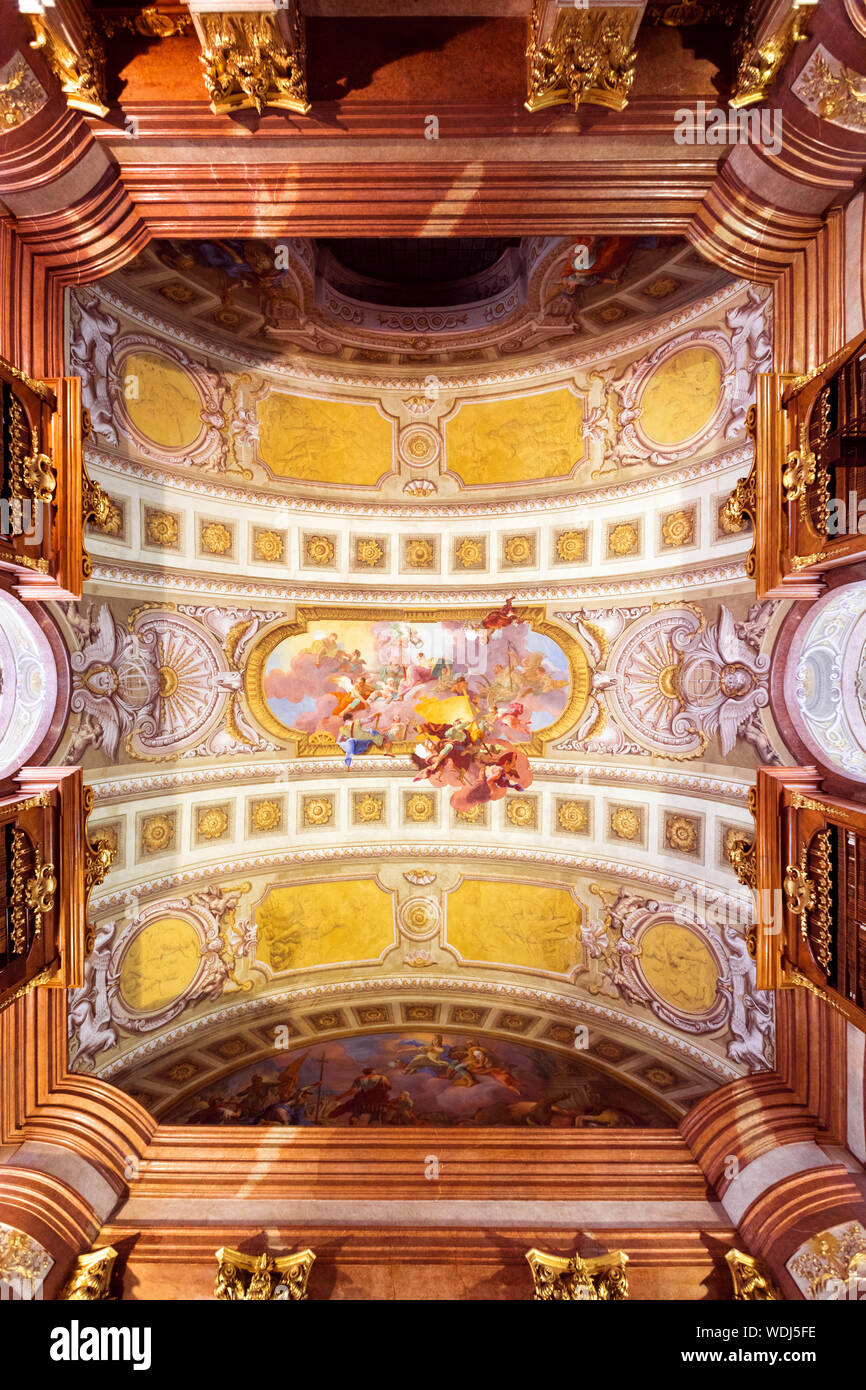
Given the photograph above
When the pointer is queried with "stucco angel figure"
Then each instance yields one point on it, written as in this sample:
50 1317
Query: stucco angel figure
90 1018
752 348
115 681
751 1020
600 960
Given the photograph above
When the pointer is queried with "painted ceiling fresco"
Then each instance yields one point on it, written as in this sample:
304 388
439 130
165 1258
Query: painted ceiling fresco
419 702
423 1079
349 301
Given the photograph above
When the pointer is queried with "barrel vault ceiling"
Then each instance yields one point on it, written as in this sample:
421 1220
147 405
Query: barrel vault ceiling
482 484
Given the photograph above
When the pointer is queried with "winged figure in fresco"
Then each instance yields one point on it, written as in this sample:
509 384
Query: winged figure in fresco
115 680
724 679
467 708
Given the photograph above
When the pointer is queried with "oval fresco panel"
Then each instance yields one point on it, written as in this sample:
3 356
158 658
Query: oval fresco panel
681 395
159 964
161 400
678 967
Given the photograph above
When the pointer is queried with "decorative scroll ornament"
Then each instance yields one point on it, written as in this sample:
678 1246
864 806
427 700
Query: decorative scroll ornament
598 1278
832 1264
799 888
584 55
18 913
90 1279
797 980
818 931
802 562
762 62
800 471
75 54
751 1279
40 893
254 59
261 1278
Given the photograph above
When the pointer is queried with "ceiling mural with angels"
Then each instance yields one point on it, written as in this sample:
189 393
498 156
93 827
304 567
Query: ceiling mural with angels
420 682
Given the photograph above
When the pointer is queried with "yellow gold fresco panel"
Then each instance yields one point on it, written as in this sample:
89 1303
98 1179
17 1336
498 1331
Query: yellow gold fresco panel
681 395
679 967
345 442
160 964
309 924
161 400
515 924
522 439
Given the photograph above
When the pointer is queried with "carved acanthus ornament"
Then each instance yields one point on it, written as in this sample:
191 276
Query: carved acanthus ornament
90 1278
66 38
598 1278
742 502
743 859
255 56
751 1279
584 54
32 474
262 1278
766 56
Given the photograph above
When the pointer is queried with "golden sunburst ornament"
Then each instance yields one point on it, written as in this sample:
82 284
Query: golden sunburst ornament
573 816
571 546
678 528
269 545
420 554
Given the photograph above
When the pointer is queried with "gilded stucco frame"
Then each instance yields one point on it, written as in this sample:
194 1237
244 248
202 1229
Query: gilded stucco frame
312 745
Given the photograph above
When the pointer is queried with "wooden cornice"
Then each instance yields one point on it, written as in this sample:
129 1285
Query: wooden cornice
223 1163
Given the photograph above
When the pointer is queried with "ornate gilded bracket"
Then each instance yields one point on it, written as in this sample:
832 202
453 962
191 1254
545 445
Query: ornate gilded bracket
90 1279
262 1278
751 1279
763 60
96 507
598 1278
66 38
253 59
743 857
581 55
98 858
